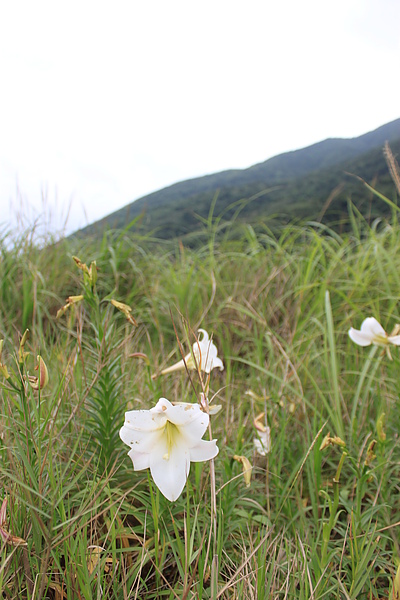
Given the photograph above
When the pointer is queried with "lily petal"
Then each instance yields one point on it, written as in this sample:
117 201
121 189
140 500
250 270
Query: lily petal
361 339
204 450
394 339
193 431
372 327
170 470
182 414
262 443
140 461
206 353
145 420
140 441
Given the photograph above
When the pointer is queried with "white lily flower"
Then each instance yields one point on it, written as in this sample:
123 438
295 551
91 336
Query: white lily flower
262 443
204 356
166 439
372 332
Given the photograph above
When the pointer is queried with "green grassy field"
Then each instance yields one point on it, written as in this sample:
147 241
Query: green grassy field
312 522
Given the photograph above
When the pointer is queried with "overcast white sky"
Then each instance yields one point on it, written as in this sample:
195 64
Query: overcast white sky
103 102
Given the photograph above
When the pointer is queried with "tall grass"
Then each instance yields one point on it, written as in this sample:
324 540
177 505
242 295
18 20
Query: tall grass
314 523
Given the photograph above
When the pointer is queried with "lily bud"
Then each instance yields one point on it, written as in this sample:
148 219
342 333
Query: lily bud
332 441
247 468
255 396
4 371
43 379
379 427
89 273
70 301
3 368
124 308
74 299
21 352
370 453
396 585
61 311
7 537
82 266
93 273
140 355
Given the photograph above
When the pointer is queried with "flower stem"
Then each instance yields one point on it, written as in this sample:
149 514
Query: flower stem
214 522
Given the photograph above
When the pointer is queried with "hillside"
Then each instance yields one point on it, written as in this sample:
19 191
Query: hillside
293 184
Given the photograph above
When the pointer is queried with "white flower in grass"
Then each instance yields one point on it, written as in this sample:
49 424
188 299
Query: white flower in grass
372 332
166 439
204 356
262 443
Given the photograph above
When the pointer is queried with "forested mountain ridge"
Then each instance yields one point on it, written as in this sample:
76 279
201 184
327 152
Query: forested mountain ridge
294 184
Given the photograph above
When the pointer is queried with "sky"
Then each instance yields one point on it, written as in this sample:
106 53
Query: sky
103 102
